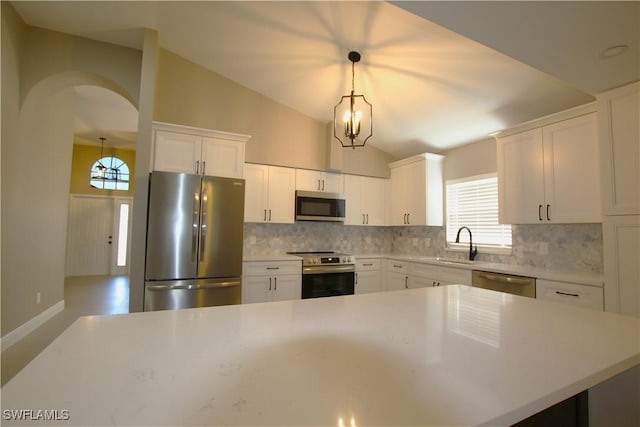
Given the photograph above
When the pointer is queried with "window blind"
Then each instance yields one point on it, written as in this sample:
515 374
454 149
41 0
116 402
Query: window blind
473 202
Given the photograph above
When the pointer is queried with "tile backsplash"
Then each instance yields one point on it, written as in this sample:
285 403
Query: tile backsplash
568 247
273 239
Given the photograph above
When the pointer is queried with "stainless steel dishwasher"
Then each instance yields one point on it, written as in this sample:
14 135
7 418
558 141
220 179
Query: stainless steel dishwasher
510 284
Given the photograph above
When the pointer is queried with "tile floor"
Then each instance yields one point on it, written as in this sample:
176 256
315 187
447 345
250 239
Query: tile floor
83 296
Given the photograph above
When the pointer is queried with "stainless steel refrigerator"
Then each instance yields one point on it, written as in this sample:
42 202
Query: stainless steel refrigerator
194 241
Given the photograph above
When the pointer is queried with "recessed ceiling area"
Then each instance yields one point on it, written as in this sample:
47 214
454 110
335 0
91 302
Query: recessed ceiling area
439 74
104 113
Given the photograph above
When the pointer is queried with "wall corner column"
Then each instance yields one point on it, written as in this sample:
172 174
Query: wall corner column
148 72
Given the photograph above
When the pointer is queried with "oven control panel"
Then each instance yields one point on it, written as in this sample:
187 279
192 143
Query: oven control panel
335 259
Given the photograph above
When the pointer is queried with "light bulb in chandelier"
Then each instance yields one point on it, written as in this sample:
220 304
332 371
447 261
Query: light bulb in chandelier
352 121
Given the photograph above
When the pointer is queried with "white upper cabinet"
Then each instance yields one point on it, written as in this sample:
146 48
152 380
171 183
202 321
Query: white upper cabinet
269 194
619 123
310 180
184 149
365 200
550 174
416 191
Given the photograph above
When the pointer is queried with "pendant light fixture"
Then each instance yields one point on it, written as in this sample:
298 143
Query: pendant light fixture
100 170
352 117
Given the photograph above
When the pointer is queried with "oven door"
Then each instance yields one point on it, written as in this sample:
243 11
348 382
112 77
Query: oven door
323 281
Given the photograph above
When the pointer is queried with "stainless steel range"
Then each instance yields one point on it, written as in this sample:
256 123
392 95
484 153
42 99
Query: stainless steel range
327 274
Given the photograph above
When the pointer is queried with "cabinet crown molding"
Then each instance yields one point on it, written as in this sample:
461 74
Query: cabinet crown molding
416 158
210 133
547 120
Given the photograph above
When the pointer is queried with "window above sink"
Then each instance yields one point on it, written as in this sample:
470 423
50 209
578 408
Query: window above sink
473 202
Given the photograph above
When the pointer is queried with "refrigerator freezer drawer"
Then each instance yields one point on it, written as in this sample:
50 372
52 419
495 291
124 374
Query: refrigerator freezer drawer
177 294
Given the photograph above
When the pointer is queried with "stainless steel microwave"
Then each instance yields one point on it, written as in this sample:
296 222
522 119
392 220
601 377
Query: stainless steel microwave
318 206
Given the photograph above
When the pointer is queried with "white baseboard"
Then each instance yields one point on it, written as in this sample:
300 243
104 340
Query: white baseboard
26 328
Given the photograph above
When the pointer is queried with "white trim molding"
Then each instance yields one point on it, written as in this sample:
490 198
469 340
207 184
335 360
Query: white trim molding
26 328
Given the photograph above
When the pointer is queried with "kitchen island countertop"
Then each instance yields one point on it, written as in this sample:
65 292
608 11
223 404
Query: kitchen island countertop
453 355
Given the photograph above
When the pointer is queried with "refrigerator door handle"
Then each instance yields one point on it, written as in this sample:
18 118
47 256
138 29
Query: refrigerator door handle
194 227
203 224
193 286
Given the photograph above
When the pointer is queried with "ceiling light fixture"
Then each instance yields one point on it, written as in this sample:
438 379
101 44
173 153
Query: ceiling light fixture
352 117
100 170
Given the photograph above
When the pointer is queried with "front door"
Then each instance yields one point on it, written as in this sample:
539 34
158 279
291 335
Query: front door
97 237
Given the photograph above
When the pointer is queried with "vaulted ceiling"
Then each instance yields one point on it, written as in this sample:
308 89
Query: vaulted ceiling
439 74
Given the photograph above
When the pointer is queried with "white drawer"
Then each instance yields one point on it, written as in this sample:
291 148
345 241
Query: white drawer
398 266
367 264
271 268
570 293
445 274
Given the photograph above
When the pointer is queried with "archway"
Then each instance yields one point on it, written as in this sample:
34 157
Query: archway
36 175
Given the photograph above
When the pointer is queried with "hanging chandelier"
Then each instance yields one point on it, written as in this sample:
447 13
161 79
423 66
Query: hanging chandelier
100 170
352 117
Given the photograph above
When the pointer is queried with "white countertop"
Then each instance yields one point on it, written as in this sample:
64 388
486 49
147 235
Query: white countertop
453 355
583 278
271 258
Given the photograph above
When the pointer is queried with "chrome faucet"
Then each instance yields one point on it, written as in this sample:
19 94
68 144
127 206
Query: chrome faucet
472 251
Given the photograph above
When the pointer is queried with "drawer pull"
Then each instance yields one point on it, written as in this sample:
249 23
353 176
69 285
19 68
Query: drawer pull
367 264
567 294
273 268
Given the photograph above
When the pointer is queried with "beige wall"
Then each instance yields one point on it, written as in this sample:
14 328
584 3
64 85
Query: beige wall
84 156
49 52
191 95
477 158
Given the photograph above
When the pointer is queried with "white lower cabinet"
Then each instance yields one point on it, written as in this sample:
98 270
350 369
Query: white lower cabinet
397 275
264 281
621 242
408 275
433 275
570 293
368 275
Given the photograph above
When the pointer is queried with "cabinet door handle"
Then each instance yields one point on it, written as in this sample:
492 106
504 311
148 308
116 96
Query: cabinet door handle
409 218
363 218
275 283
355 282
204 167
318 185
548 219
265 215
269 215
367 219
323 185
539 212
406 282
197 167
567 294
269 283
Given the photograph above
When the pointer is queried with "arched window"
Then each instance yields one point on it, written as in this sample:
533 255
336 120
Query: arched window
110 173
